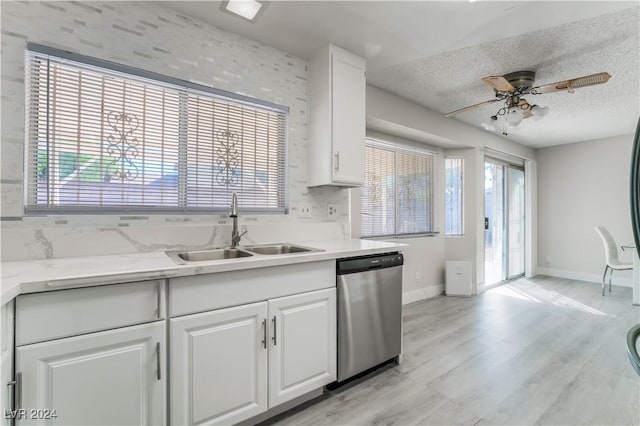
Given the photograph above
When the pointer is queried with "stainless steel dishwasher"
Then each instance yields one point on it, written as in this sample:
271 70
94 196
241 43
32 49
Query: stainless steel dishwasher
369 312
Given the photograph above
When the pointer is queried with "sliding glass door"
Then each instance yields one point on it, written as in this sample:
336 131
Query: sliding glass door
504 243
516 228
494 222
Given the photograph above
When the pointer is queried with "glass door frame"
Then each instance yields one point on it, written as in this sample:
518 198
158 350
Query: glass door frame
508 219
491 220
506 165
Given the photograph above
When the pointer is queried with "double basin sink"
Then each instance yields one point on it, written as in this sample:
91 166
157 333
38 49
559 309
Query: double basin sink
224 253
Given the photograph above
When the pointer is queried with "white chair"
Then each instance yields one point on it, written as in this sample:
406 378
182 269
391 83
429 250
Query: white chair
611 256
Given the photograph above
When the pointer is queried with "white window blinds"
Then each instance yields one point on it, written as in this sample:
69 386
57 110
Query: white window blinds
397 194
101 140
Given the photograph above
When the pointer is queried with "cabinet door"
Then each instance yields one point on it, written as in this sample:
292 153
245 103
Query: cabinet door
219 365
302 354
348 117
113 377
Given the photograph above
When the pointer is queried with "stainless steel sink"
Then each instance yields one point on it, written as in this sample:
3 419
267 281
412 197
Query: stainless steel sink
208 255
184 257
271 249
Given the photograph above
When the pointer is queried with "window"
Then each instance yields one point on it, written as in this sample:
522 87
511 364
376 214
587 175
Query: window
396 197
453 196
104 137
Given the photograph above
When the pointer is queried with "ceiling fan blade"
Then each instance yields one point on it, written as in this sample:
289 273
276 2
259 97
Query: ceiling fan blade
469 108
575 83
499 83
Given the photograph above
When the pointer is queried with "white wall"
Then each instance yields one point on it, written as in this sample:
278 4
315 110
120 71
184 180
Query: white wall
470 246
386 107
426 256
148 36
580 186
419 279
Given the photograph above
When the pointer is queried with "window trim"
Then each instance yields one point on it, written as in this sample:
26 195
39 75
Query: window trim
406 149
125 69
177 83
462 190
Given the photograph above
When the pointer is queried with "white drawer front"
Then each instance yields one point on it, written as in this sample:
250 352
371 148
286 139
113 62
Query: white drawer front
202 293
56 314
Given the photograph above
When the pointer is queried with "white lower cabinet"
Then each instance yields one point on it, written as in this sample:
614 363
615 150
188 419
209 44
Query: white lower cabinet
231 364
113 377
302 355
219 365
226 365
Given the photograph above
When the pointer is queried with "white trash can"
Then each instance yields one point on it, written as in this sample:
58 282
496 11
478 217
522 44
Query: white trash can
458 278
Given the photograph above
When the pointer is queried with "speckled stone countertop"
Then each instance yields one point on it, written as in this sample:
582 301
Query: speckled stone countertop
33 276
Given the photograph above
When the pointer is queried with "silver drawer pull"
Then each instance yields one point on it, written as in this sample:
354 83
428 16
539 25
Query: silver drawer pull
275 342
337 154
158 376
159 301
17 387
264 333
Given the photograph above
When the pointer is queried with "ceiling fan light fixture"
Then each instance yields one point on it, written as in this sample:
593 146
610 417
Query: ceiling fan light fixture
539 112
513 116
489 127
510 89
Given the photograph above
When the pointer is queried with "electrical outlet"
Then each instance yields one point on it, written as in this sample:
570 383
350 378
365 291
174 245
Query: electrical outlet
332 211
305 210
418 277
548 259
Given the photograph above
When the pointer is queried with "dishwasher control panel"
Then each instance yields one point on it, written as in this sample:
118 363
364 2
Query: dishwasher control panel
367 263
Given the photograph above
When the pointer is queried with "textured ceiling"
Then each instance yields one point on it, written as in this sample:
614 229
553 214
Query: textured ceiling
451 80
435 53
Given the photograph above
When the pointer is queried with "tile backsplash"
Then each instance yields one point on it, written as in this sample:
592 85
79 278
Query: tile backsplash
149 36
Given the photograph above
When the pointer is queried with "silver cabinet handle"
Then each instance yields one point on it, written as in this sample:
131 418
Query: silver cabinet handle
17 384
275 342
158 376
159 301
264 333
337 154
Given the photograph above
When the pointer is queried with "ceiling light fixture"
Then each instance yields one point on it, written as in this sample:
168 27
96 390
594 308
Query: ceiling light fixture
511 87
514 111
247 9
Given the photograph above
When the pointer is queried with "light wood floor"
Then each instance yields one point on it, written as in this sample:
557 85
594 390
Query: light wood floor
535 351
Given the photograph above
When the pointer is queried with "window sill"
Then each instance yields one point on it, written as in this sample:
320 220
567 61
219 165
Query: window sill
401 237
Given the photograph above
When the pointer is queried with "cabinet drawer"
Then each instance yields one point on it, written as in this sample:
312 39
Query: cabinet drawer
202 293
62 313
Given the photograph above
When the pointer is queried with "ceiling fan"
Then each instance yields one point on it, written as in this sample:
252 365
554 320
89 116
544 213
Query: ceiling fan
511 87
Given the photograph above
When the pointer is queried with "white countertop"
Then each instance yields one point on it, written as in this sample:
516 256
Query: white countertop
32 276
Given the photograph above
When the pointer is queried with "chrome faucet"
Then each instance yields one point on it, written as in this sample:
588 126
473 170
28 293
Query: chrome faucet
235 235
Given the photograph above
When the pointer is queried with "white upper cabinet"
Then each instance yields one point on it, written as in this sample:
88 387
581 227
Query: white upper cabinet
337 106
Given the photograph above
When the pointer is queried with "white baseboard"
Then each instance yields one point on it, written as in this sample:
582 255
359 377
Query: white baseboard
422 294
618 278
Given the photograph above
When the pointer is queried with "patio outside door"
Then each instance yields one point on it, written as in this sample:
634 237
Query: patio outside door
515 228
504 221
